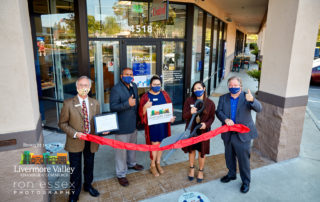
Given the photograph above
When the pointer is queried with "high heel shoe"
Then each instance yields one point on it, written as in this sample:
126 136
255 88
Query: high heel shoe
191 177
199 180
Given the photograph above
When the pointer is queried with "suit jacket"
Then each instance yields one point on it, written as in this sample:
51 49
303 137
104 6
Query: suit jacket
243 115
119 103
72 121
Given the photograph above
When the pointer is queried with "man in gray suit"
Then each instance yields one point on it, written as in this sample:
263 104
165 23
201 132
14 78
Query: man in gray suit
235 108
125 101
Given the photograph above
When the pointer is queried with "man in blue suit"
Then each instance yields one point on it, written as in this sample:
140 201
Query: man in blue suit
125 101
235 108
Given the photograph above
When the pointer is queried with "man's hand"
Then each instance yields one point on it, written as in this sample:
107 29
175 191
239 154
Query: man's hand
229 122
203 126
193 110
249 96
105 133
132 101
172 119
148 104
79 134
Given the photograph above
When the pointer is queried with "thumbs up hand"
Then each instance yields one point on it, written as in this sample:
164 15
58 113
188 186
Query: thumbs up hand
249 96
148 104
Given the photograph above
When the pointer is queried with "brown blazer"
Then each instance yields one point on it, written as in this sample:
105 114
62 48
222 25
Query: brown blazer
71 121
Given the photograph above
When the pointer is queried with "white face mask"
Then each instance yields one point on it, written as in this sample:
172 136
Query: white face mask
83 91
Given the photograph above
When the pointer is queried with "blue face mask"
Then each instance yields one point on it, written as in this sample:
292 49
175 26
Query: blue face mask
234 90
127 79
199 93
155 88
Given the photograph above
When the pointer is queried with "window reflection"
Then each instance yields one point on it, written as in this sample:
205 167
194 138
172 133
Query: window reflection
172 73
113 18
54 24
196 46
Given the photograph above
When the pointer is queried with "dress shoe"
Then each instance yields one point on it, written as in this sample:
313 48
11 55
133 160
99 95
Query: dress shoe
199 180
244 188
190 178
227 179
137 167
92 191
72 200
123 181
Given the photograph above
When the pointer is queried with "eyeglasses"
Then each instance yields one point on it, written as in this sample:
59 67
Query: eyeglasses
127 74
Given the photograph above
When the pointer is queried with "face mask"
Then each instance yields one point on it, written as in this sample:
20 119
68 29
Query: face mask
234 90
127 79
83 91
155 88
199 93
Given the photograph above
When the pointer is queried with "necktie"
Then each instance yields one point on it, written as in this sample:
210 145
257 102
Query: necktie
85 114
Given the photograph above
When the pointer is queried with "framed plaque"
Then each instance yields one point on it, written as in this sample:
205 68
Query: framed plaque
106 123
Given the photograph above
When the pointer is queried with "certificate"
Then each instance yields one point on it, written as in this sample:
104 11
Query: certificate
159 114
106 123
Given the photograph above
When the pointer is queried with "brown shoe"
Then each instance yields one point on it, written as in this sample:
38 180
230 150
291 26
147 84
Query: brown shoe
154 171
159 168
137 167
123 181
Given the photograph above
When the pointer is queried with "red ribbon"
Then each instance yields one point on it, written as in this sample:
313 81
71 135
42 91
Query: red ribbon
180 144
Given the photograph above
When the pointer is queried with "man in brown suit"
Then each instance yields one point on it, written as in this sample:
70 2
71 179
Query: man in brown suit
76 118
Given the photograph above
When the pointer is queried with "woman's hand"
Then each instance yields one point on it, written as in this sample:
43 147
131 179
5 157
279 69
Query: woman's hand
203 126
193 110
148 104
173 119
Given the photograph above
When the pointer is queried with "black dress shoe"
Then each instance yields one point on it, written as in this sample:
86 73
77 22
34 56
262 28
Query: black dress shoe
73 200
227 179
244 188
137 167
92 191
123 181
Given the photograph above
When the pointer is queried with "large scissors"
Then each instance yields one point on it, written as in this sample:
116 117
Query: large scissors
186 134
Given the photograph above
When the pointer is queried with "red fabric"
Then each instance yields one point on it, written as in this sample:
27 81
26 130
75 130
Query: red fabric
181 143
144 120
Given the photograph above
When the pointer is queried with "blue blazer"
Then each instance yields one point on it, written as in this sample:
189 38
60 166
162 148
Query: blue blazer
243 115
127 116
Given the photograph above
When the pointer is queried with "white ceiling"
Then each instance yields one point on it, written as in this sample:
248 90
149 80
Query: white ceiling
248 13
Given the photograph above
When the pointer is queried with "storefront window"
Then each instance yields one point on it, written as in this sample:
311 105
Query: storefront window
56 53
114 18
172 73
207 48
214 52
196 45
104 70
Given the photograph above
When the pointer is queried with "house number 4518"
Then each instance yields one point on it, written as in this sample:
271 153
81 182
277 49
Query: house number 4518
139 28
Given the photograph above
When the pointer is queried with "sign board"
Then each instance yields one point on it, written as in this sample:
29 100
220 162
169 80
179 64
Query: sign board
159 114
159 10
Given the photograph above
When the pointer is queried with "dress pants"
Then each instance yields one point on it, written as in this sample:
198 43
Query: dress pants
235 148
125 158
75 159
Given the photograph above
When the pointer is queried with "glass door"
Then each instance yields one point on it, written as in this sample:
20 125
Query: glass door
142 58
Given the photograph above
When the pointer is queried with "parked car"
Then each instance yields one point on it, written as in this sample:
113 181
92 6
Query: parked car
315 75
